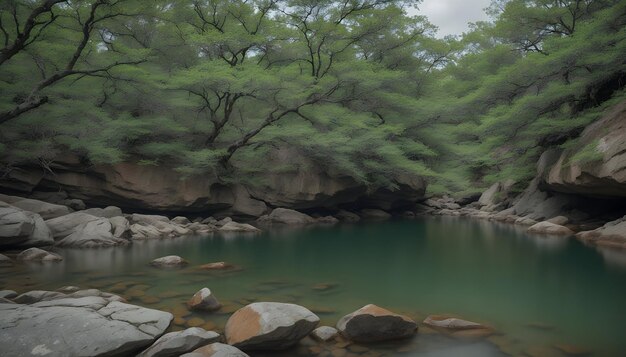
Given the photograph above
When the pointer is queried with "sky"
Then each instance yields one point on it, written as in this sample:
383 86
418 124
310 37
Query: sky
452 16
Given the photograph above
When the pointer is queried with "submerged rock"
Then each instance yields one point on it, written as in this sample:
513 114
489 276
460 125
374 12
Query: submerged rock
169 261
372 323
269 326
91 326
174 344
217 266
204 300
36 254
324 333
546 227
451 323
216 350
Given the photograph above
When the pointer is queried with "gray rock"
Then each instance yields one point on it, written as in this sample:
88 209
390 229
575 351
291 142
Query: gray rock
68 289
176 343
36 254
97 233
204 300
288 216
209 220
120 227
148 219
107 212
180 220
44 209
560 220
546 227
6 301
169 261
63 226
238 227
372 323
452 323
74 203
34 296
216 350
612 234
324 333
4 260
373 213
88 326
7 294
21 228
327 220
347 216
269 326
223 221
154 226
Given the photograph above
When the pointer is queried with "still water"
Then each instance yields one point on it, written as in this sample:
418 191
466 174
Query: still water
537 292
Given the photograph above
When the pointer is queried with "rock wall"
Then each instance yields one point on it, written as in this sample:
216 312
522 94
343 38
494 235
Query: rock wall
604 176
306 185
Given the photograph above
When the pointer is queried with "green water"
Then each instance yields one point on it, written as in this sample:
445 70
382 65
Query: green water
535 291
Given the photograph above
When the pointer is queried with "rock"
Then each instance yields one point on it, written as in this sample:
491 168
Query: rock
204 300
174 344
223 221
546 227
209 220
36 254
120 227
238 227
6 301
181 220
347 216
269 326
602 172
372 323
21 228
217 266
560 220
37 296
451 323
141 232
44 209
74 203
525 221
96 233
4 260
328 220
324 333
288 216
107 212
91 326
63 226
7 294
612 234
155 226
68 289
374 214
216 350
169 261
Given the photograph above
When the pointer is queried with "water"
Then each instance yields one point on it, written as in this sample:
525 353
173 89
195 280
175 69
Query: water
535 291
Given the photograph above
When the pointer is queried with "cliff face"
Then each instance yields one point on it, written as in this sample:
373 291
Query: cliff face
160 188
603 174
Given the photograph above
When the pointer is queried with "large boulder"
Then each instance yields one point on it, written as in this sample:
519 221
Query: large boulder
96 233
107 212
88 326
596 163
269 326
612 234
174 344
372 323
44 209
63 226
287 216
36 254
155 226
22 228
238 227
546 227
216 350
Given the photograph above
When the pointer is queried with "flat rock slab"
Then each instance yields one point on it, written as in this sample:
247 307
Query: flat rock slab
88 326
174 344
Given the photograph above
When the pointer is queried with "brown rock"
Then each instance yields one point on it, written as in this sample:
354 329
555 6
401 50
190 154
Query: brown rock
372 323
204 300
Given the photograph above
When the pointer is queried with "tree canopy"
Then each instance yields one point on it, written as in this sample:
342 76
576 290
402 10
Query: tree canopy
358 86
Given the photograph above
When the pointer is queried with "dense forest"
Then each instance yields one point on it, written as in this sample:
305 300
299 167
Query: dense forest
210 87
